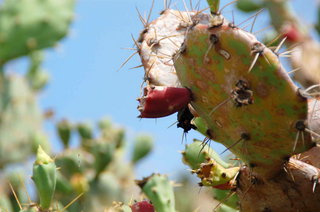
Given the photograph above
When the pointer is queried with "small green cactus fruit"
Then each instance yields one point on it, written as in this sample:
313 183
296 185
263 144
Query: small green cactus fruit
44 176
142 147
249 5
236 89
28 25
64 129
159 190
197 153
85 131
213 174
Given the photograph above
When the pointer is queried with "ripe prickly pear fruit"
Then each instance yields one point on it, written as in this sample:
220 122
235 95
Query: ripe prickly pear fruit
292 33
160 101
142 206
44 176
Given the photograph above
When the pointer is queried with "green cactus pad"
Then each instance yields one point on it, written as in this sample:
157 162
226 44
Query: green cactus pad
160 191
252 107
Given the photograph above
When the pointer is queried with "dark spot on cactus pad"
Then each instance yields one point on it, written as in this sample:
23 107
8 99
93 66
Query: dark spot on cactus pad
241 94
214 38
252 165
245 136
267 210
200 184
255 181
300 125
223 175
184 120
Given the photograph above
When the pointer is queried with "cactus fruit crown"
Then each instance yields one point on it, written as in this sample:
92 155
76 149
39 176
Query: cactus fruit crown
42 157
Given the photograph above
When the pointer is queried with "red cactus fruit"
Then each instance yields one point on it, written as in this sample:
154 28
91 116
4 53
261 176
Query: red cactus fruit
142 206
291 32
160 101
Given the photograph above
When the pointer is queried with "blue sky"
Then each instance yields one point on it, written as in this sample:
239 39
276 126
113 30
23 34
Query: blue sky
85 85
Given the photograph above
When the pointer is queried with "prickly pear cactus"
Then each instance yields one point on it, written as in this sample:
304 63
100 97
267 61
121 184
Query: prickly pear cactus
240 95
